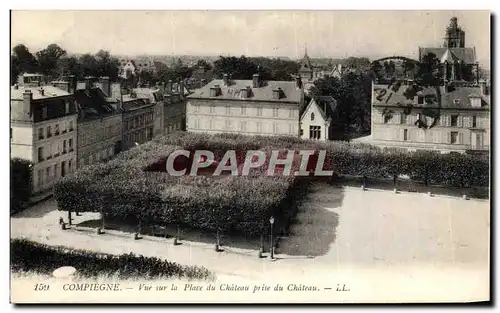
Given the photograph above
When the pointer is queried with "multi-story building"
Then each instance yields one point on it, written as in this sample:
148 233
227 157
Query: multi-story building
246 106
138 120
447 119
174 112
155 96
43 129
99 125
451 117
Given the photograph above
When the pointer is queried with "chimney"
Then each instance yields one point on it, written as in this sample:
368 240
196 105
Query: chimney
169 86
298 82
482 85
41 91
225 78
277 93
72 84
27 98
244 92
256 80
105 86
88 83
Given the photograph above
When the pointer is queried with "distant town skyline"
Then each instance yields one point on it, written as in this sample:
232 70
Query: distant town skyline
327 34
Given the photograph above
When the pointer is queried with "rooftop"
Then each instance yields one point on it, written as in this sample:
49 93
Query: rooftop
467 55
264 93
48 92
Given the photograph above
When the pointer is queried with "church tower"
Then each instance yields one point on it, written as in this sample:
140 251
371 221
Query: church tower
455 36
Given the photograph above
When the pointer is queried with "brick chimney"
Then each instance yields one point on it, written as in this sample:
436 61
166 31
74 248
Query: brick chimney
27 98
225 78
104 85
256 80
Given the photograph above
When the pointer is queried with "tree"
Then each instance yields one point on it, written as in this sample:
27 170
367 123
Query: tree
205 64
22 61
429 71
68 65
106 65
88 66
47 59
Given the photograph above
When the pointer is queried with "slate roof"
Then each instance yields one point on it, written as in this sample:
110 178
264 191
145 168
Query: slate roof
326 105
468 55
49 92
264 93
93 102
448 97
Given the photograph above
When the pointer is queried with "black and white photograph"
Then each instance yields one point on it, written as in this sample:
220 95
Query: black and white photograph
250 156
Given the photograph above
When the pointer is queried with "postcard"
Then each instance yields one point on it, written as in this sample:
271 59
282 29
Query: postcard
250 156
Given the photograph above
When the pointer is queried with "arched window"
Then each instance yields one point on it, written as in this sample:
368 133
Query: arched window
312 116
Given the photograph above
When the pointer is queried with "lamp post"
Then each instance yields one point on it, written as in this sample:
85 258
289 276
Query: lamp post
271 221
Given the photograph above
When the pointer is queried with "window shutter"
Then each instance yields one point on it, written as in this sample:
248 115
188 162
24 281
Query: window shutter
461 138
448 120
460 121
401 135
449 137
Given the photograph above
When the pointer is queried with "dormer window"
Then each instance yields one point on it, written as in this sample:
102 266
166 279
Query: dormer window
456 101
475 101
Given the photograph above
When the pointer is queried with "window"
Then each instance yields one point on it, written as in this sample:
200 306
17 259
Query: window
70 144
456 101
420 100
70 126
228 124
40 133
474 121
212 108
405 135
259 111
454 137
275 112
66 104
11 133
196 123
64 146
301 132
275 128
454 120
49 132
56 130
243 126
259 126
312 116
291 113
70 166
243 110
404 118
40 154
48 173
44 112
315 132
228 110
196 108
56 170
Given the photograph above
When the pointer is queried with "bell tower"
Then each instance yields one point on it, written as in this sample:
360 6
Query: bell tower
455 36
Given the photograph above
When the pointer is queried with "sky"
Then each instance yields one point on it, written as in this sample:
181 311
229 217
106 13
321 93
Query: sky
332 34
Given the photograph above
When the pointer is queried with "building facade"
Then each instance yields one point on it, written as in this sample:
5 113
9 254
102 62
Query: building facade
43 129
156 97
318 119
174 112
99 127
446 119
252 107
138 120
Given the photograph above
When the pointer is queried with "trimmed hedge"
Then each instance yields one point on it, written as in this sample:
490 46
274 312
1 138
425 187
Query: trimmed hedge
21 178
43 259
135 186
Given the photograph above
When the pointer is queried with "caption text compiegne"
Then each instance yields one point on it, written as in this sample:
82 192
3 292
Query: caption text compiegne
192 287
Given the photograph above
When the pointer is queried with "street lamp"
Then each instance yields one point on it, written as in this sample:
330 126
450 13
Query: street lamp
271 221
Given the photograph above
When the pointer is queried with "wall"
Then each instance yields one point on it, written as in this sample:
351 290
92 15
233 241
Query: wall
318 121
21 142
137 126
437 137
97 139
242 117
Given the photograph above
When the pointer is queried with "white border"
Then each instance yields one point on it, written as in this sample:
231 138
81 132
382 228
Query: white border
185 4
